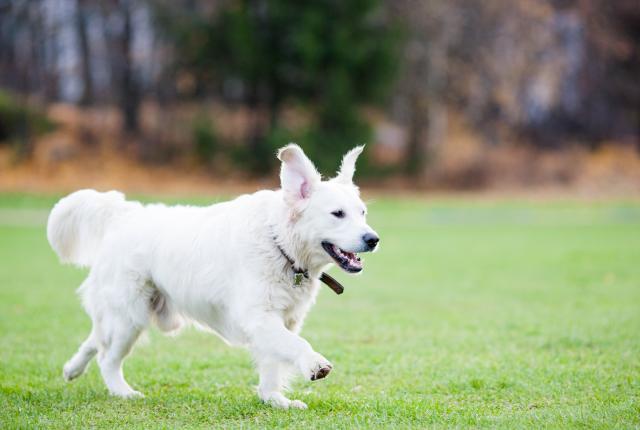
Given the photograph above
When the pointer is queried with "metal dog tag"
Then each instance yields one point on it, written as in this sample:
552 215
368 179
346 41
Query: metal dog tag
297 279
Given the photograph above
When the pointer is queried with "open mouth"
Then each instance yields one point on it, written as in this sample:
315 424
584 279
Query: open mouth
348 261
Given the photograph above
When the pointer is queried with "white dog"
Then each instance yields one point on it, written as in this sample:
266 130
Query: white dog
248 269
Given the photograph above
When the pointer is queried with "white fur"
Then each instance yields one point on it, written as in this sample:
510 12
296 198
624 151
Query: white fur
217 266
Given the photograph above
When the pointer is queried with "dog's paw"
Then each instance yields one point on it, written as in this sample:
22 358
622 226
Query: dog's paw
315 367
298 404
71 372
278 400
128 394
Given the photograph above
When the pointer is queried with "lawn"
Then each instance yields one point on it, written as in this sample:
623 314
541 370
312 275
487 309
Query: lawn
472 314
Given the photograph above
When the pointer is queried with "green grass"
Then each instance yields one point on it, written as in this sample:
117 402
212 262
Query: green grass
498 315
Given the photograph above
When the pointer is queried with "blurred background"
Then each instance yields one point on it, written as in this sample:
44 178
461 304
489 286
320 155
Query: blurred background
502 170
188 95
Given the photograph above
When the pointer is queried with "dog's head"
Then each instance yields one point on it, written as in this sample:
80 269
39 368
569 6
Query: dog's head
328 216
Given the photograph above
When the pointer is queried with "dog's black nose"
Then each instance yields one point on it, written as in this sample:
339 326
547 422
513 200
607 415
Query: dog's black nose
371 240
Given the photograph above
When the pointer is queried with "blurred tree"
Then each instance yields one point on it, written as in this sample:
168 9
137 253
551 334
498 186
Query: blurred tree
544 72
611 78
81 13
25 68
330 56
118 33
420 93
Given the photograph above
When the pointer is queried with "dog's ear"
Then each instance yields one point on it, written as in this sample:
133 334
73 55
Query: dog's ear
298 175
348 166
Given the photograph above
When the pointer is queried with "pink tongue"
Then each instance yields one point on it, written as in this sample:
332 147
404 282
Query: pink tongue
351 257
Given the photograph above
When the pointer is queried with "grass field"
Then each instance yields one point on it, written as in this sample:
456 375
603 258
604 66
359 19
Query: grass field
491 314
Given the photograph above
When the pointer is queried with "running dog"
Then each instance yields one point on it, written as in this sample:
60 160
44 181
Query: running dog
246 269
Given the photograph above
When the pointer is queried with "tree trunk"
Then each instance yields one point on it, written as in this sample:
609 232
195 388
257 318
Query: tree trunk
259 100
129 91
418 123
119 44
86 99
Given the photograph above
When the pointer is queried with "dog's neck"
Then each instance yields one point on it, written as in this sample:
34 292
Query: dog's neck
292 247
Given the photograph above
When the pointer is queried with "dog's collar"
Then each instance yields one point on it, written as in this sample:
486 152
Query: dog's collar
299 274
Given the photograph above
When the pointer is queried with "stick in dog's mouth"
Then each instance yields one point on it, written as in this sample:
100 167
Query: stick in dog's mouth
348 261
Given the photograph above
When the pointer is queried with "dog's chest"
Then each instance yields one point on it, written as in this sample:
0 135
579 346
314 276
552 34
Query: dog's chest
293 299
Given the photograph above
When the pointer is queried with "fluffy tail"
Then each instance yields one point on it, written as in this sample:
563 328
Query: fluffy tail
77 223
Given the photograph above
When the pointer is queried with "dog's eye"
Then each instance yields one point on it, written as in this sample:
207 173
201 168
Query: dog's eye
338 214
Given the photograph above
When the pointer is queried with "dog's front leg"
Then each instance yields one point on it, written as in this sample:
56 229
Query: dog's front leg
274 375
276 348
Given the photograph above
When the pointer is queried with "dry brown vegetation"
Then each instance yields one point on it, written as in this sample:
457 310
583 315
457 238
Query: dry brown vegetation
87 149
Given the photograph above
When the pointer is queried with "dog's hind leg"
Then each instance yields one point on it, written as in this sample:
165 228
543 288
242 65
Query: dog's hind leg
119 335
78 363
